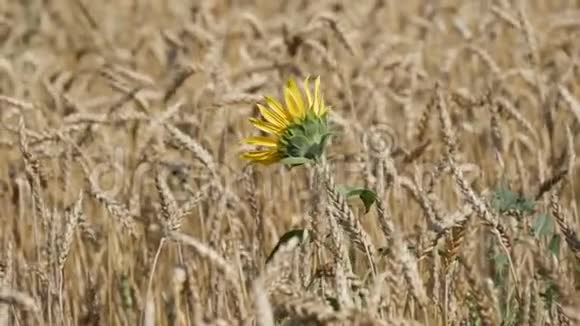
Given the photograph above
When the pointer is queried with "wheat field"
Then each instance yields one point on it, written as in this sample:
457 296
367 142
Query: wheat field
448 193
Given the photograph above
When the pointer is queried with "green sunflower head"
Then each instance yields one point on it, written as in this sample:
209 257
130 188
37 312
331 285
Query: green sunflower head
298 131
305 139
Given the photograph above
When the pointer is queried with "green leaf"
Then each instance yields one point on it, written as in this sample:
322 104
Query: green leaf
297 235
295 161
543 225
383 251
554 245
550 293
333 302
500 261
503 200
367 196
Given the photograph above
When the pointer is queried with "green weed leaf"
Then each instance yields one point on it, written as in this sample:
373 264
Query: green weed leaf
500 261
290 238
367 196
543 225
295 161
503 200
333 302
554 245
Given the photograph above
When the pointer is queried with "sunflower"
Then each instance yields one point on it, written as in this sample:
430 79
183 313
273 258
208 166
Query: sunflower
296 132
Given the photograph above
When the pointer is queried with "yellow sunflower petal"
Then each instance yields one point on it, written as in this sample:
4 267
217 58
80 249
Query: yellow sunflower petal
317 95
307 91
273 158
296 111
296 96
256 155
264 157
272 117
265 126
261 141
322 108
278 108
